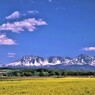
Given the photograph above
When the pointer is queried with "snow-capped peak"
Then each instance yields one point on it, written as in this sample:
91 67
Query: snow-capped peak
82 59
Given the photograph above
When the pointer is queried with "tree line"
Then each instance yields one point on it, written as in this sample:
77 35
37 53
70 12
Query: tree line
49 72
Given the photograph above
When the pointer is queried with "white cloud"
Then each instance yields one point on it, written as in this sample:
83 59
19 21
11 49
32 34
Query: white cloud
14 15
17 14
11 55
6 41
30 24
89 49
33 12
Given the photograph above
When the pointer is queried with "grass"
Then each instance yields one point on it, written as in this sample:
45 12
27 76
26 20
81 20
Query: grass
7 70
48 86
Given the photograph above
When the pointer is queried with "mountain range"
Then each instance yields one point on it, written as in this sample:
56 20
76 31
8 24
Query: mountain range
37 61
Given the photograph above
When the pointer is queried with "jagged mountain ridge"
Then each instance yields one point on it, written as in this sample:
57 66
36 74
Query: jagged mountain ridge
82 59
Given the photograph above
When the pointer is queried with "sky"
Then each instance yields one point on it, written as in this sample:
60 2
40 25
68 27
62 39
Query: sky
46 28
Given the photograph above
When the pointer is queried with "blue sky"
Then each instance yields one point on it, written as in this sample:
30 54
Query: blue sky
46 28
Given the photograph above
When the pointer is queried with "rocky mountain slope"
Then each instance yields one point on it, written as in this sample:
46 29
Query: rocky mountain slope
37 61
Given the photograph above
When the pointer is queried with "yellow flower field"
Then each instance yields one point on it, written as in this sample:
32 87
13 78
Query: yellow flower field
48 86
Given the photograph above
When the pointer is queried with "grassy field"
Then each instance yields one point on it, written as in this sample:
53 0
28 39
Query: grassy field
47 86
